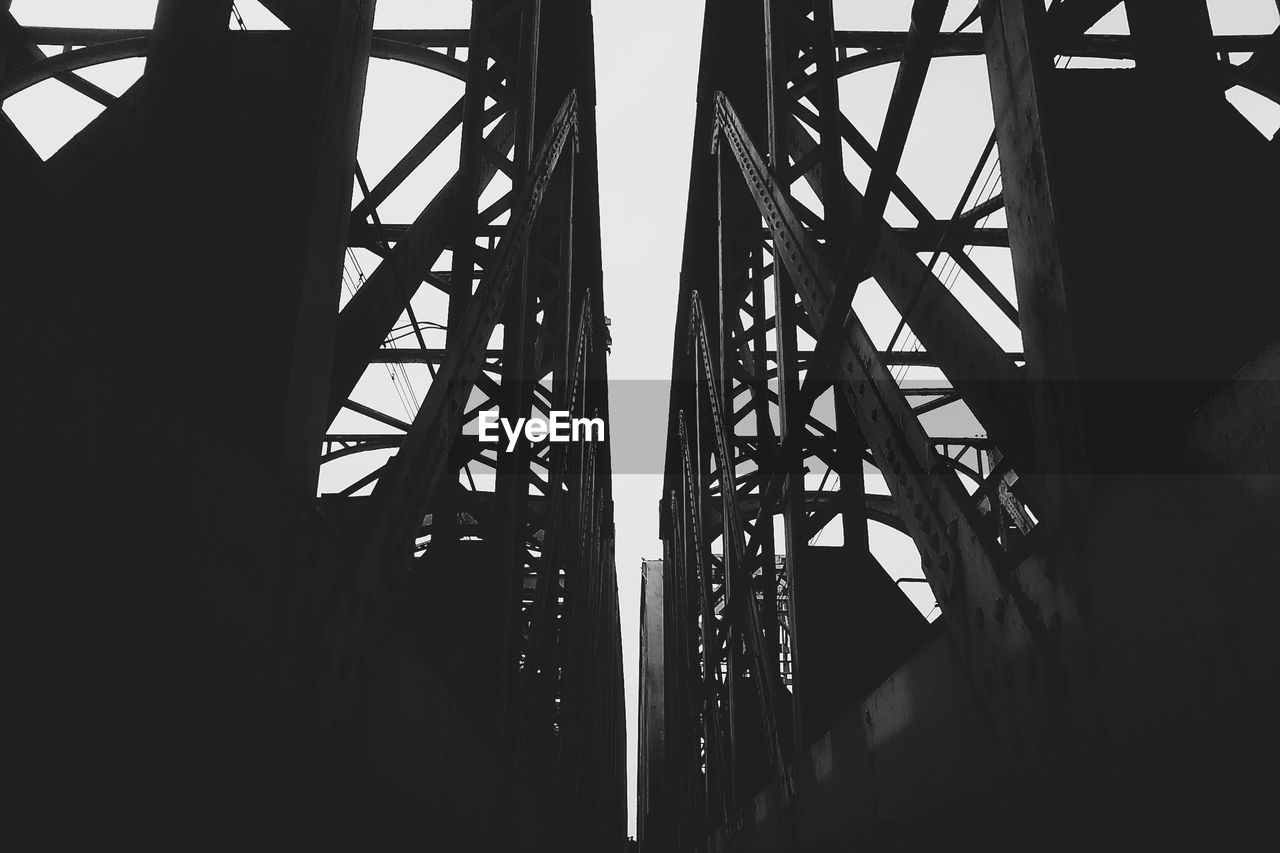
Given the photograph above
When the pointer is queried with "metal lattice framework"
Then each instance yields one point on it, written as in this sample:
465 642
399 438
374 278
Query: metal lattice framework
496 561
789 417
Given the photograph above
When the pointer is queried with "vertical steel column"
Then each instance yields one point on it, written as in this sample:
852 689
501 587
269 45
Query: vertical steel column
727 478
511 490
778 100
1019 61
697 560
794 42
540 670
838 222
756 360
726 637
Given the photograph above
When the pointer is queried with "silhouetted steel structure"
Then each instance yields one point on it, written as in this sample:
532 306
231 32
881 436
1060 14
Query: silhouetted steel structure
1102 549
204 649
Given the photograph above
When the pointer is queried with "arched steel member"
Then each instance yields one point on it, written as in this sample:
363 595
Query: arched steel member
884 48
135 46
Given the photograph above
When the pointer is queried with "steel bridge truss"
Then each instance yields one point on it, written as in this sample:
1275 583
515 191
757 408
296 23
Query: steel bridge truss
500 560
789 421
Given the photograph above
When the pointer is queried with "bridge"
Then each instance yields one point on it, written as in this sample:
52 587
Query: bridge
1048 401
965 531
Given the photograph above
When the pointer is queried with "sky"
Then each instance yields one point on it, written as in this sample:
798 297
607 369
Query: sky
647 67
647 59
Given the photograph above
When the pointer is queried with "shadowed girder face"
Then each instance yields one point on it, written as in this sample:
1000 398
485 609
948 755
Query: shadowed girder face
456 272
885 314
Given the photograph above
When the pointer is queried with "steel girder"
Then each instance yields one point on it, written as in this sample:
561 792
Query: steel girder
542 662
499 564
998 525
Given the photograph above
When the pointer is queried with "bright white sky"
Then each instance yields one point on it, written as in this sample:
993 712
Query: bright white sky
647 59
